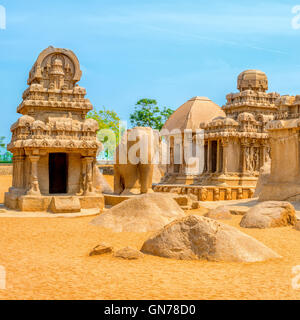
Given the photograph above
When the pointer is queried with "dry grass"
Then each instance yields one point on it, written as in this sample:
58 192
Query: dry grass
48 259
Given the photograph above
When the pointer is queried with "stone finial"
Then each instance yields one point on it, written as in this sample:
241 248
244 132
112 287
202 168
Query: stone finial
255 80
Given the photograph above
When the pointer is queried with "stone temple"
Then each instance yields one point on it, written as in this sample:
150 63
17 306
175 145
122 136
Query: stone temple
54 146
283 182
235 140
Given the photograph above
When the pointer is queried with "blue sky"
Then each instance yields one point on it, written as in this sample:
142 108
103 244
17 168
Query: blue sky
168 50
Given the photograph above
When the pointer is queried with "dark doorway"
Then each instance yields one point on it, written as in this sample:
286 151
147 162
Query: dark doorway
176 168
58 173
214 147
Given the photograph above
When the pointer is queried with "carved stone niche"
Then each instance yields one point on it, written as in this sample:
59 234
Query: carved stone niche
203 193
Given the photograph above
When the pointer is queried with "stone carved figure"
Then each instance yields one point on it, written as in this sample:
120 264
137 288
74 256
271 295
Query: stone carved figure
134 162
267 155
228 195
248 159
216 194
203 193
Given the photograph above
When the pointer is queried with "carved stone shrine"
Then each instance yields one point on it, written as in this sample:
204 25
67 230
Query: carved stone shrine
54 146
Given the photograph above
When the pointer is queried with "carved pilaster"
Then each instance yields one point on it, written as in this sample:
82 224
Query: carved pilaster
34 182
218 156
18 171
225 155
245 156
208 156
88 164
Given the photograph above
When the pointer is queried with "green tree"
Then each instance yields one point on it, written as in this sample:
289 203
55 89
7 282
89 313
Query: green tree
2 143
5 155
148 114
109 130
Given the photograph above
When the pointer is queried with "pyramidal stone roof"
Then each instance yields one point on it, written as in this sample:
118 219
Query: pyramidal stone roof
195 111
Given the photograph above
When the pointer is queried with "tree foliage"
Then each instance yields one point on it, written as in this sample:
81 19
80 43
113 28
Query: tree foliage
148 114
2 143
6 156
109 122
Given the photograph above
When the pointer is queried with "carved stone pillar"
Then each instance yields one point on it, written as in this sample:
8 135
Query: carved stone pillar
88 188
243 158
18 171
262 155
208 156
14 184
171 165
225 156
34 182
218 156
205 158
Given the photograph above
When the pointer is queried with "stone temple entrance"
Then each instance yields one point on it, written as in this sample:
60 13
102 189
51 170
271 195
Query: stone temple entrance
58 173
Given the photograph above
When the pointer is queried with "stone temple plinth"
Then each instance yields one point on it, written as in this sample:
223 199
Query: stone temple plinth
54 146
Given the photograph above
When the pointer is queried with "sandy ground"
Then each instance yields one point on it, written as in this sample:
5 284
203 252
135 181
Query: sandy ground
5 184
48 259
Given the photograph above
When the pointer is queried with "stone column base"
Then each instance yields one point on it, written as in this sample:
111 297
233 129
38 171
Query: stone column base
55 204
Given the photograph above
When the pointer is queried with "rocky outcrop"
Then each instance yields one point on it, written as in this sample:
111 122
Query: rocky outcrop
142 213
269 214
196 237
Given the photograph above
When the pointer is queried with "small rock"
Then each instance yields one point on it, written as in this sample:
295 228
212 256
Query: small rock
101 249
297 226
182 200
195 205
220 213
128 253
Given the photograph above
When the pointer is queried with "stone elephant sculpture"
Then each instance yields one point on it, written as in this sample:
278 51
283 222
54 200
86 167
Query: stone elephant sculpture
134 161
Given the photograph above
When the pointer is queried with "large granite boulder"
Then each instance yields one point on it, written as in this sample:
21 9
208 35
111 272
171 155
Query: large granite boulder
142 213
269 214
196 237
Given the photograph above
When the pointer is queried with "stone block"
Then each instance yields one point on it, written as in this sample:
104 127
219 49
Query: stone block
11 200
33 203
91 202
65 204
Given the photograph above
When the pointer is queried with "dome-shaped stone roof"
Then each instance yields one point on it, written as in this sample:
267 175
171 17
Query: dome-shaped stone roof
255 80
195 111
